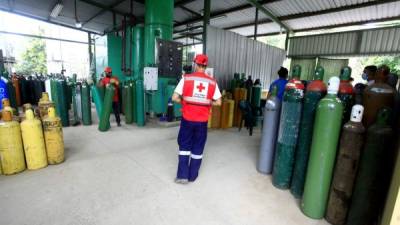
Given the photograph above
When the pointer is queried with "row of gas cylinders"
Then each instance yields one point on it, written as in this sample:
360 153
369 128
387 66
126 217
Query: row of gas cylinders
310 146
229 113
32 144
132 103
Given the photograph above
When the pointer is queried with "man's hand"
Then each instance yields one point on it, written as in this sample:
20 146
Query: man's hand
217 102
176 98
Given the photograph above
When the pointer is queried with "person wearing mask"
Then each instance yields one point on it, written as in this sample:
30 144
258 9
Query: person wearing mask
280 83
110 79
368 75
197 92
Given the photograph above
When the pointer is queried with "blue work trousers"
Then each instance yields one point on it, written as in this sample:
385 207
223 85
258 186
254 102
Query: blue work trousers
191 140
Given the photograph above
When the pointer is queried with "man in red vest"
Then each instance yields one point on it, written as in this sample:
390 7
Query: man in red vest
197 92
109 79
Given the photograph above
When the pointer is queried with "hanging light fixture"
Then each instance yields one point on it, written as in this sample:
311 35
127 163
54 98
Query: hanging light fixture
57 9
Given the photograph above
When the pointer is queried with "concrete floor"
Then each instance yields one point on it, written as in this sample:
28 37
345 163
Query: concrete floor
125 176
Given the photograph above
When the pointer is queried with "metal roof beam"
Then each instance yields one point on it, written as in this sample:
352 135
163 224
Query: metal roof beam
268 13
102 11
183 2
334 26
104 7
222 12
189 10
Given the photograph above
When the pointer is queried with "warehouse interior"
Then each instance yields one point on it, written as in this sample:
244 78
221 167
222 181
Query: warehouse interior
315 145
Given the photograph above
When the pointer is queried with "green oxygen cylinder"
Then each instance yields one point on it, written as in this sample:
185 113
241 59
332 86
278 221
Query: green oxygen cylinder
132 83
316 90
128 103
374 173
61 102
351 142
86 104
346 93
288 131
140 113
107 107
323 152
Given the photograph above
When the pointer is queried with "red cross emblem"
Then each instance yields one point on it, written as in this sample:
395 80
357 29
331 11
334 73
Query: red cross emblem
200 87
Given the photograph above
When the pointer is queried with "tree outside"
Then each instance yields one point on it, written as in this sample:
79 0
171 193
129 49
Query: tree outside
393 62
33 59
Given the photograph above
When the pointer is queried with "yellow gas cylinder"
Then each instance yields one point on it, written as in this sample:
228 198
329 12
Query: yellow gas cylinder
44 104
6 106
32 136
12 157
53 137
209 119
231 112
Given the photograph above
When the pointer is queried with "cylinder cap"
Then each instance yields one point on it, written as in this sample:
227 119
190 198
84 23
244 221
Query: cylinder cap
51 112
45 96
319 73
6 116
5 102
345 73
357 113
296 71
26 106
333 85
29 114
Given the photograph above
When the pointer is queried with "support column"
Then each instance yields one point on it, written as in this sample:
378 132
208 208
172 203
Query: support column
256 25
206 21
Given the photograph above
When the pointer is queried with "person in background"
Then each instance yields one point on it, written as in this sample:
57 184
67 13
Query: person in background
368 74
280 83
197 92
110 79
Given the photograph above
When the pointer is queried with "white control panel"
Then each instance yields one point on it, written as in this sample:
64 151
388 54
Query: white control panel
150 75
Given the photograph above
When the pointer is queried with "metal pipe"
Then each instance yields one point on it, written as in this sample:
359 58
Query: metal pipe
256 25
206 21
256 4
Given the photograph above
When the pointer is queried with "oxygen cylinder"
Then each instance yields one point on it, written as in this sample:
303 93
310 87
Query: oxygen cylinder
32 136
377 96
269 133
53 136
128 103
216 116
239 94
107 107
3 89
374 173
346 93
97 99
17 88
12 159
170 111
249 87
12 95
44 105
323 152
288 131
86 105
351 142
47 85
61 102
316 90
141 117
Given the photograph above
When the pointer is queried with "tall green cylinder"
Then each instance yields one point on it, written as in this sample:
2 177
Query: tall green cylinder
138 51
62 102
323 152
158 24
128 103
316 90
288 133
86 104
256 99
140 113
107 107
132 83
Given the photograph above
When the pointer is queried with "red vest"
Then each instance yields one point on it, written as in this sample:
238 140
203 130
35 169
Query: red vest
198 91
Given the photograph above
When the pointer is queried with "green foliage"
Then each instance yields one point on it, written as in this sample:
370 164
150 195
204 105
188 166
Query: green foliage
34 58
392 61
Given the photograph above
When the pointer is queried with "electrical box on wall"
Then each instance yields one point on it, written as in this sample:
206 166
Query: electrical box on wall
150 75
169 58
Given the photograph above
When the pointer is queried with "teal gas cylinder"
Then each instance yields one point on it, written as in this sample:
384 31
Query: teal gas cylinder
288 131
316 90
140 112
374 173
107 108
128 107
351 143
86 104
346 93
325 139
